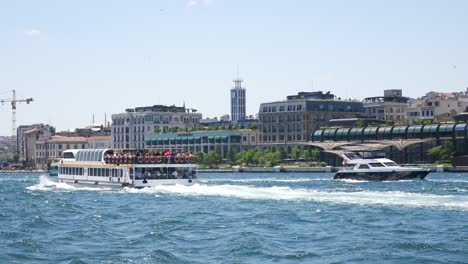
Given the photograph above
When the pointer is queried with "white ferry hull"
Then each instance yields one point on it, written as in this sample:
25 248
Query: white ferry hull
135 184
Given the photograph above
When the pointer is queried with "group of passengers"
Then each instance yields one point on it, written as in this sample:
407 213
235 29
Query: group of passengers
138 155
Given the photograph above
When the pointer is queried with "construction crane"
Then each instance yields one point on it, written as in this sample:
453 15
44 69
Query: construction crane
13 102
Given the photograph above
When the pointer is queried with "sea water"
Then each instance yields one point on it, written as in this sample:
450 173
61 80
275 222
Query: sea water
236 218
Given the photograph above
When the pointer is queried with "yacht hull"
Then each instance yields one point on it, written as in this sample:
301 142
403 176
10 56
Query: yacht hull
382 175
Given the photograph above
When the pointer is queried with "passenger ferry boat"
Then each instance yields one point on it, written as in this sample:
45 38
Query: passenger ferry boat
133 168
374 166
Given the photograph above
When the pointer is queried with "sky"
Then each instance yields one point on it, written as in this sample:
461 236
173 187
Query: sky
76 58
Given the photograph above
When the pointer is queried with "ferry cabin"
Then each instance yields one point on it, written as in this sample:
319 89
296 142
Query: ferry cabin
93 166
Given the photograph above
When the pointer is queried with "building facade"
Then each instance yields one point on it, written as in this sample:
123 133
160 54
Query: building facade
294 119
238 102
390 107
27 137
222 141
130 129
48 151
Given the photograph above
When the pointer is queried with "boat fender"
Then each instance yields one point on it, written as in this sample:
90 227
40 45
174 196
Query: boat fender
190 180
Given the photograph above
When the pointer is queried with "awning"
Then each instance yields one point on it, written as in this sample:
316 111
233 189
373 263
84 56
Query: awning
399 129
460 127
342 132
329 132
318 133
370 130
430 128
446 128
414 129
211 137
385 130
356 131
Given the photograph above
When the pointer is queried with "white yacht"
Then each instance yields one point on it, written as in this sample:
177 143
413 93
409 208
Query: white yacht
133 168
374 166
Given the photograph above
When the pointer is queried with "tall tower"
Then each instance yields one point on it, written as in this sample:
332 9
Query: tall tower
237 101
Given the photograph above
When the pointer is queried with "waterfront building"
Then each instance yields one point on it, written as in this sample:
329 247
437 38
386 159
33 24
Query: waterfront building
402 143
130 129
26 138
294 119
237 101
50 150
222 141
390 107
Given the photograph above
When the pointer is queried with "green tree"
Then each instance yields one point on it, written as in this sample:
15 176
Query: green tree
296 153
282 154
305 154
212 159
442 154
230 157
200 157
248 157
315 154
272 158
360 123
157 130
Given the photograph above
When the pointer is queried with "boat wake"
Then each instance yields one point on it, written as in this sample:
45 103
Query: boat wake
47 184
265 180
390 198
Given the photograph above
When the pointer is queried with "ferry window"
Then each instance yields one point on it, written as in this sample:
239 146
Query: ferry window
68 155
376 164
390 164
363 166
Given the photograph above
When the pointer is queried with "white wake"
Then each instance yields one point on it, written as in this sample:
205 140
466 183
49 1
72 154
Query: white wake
46 184
285 193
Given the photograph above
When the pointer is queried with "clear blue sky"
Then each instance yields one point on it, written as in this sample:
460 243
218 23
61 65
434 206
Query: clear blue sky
76 58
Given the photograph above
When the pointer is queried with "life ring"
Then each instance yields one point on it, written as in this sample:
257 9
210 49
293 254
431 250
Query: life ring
106 159
147 159
153 159
176 159
158 159
192 159
119 159
140 159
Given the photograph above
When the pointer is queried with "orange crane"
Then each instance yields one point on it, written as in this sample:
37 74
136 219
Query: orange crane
13 102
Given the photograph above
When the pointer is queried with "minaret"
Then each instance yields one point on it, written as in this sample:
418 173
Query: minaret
237 101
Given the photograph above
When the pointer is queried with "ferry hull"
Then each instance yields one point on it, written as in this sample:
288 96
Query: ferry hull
139 184
382 176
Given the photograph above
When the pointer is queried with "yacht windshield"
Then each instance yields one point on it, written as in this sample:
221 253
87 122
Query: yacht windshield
390 164
376 164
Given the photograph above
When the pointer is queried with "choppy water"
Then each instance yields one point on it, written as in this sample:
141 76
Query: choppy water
236 218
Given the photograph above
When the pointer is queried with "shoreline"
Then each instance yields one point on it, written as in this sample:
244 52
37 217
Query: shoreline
279 169
327 169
